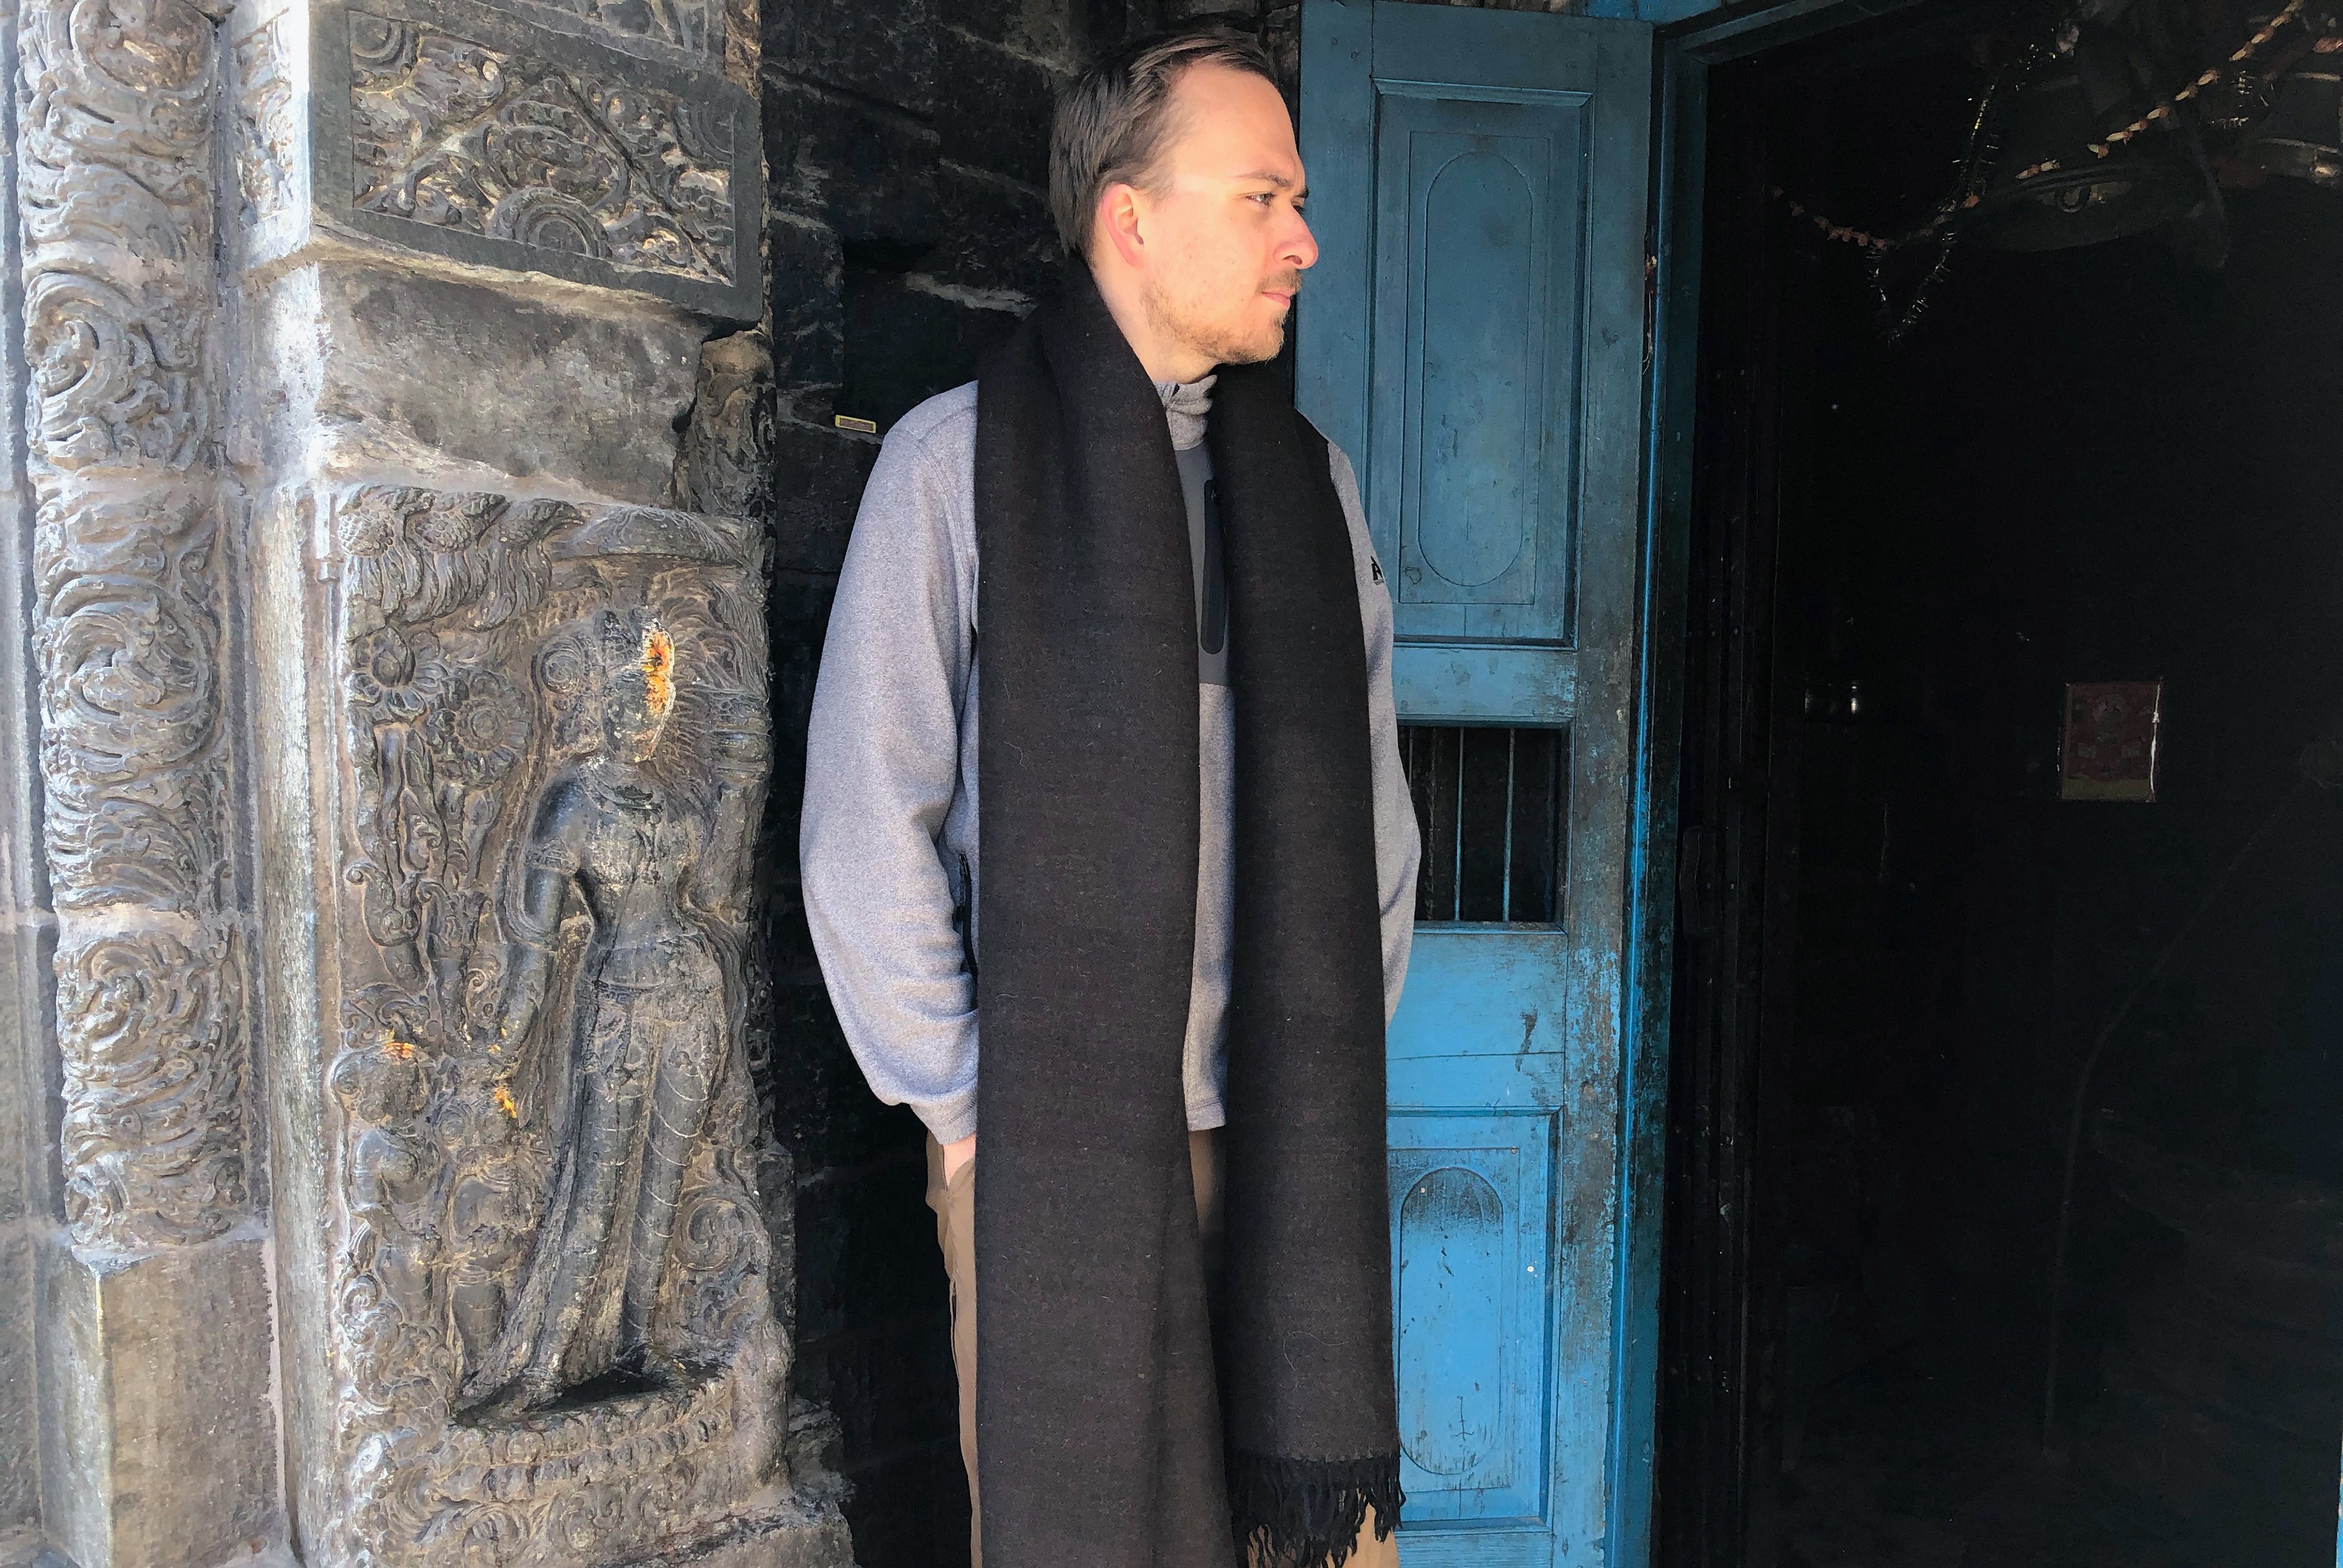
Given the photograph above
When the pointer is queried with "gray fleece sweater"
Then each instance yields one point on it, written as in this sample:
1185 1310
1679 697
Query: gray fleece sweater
887 845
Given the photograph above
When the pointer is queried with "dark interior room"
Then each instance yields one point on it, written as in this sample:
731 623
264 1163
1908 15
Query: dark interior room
2006 1211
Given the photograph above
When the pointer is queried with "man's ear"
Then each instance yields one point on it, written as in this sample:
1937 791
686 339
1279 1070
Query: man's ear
1120 217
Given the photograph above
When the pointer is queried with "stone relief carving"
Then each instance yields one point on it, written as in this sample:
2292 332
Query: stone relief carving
724 462
128 641
115 154
453 132
268 121
687 25
528 137
555 1334
153 1124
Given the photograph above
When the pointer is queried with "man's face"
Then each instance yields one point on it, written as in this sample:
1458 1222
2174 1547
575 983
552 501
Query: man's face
1226 242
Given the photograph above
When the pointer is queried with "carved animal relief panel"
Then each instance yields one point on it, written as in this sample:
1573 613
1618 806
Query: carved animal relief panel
554 1335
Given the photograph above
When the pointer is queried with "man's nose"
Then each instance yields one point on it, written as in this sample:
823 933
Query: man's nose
1300 250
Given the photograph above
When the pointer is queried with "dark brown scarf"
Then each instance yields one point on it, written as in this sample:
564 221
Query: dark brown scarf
1110 1434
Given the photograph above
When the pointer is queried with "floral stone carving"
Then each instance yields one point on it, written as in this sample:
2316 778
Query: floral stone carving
553 1326
153 1129
451 132
453 128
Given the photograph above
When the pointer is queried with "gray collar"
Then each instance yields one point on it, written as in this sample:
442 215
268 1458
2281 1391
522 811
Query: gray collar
1185 404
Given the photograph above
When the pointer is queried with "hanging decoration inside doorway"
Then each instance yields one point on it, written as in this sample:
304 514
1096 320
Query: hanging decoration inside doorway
2046 195
2106 123
2303 136
1942 230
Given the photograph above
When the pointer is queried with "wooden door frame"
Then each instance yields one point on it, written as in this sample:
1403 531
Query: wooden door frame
1717 789
1647 1460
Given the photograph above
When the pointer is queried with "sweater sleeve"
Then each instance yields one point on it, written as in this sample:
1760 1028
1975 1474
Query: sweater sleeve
882 767
1398 847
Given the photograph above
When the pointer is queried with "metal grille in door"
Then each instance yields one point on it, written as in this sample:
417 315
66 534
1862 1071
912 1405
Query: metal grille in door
1492 805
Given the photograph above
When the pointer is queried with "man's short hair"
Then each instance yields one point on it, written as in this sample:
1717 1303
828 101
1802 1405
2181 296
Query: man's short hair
1111 121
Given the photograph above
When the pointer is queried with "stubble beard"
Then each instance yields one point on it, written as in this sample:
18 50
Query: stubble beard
1223 344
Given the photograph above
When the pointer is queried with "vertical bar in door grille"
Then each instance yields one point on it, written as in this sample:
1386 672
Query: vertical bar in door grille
1430 756
1491 805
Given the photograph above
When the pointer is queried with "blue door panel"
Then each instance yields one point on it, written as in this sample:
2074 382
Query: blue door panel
1470 1250
1472 441
1491 991
1483 204
1486 682
1473 336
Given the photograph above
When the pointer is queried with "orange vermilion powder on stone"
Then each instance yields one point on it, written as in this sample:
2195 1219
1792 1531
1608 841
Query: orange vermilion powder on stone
658 667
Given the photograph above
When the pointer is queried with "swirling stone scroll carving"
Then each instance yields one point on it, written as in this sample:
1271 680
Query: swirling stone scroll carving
114 160
552 1323
153 1144
128 643
113 153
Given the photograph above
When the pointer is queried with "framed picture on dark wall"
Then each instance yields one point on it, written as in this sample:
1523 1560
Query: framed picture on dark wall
2110 745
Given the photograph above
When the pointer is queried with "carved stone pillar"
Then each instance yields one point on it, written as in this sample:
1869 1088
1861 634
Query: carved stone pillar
394 651
27 927
158 1445
511 742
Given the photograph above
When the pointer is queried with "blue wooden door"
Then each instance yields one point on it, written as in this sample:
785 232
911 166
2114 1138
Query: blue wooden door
1473 336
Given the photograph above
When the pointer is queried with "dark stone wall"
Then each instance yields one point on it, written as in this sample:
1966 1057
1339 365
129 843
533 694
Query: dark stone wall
906 145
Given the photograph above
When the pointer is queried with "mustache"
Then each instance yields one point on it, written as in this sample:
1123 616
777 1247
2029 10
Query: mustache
1290 281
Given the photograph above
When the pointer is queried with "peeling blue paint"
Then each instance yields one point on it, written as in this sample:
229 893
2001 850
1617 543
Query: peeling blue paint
1473 336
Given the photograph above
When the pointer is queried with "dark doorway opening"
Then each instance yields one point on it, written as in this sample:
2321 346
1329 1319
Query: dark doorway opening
1899 948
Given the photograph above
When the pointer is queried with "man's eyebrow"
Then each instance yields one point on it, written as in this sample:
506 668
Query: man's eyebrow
1268 178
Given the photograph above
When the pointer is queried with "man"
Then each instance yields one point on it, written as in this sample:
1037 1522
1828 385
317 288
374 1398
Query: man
1172 1300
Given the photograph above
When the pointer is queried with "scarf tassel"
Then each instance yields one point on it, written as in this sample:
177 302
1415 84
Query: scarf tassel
1304 1512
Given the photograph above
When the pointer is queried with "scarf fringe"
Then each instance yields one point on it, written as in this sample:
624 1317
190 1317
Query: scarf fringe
1308 1513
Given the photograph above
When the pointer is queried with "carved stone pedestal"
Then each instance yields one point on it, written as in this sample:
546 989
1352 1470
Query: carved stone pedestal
158 1359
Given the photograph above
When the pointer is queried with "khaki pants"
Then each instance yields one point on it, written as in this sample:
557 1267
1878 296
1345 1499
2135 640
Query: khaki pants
955 1207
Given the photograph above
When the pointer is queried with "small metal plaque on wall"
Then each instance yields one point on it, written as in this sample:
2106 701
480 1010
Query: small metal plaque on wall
2108 752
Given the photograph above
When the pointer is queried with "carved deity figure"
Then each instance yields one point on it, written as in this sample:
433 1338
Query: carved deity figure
650 843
